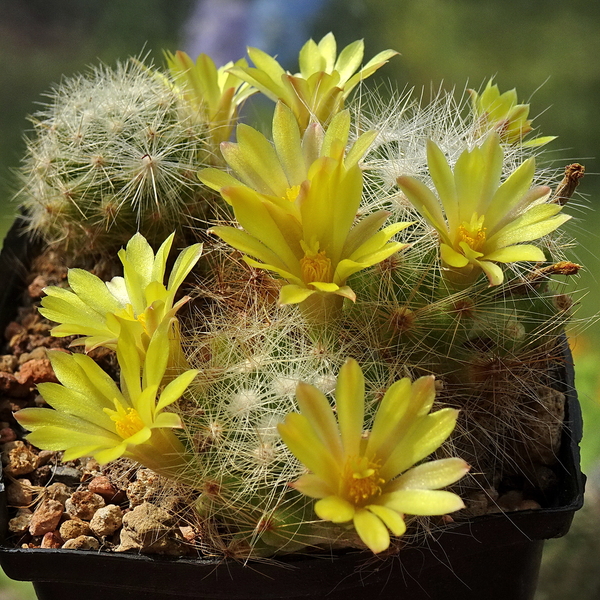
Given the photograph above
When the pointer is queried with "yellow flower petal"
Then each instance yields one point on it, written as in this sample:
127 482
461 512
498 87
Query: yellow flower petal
349 59
373 65
244 242
511 193
416 399
518 253
539 141
424 437
56 438
360 147
217 179
294 294
281 272
312 486
334 509
390 415
78 451
92 291
346 292
256 217
288 143
443 179
315 407
186 260
377 243
86 407
393 520
254 159
168 421
300 437
371 530
425 202
310 59
493 272
324 217
453 258
175 389
514 234
110 454
423 502
431 475
328 288
350 404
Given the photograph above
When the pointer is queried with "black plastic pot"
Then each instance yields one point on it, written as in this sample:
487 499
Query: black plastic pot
496 557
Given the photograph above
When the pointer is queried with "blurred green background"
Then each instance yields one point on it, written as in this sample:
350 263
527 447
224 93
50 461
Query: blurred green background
547 49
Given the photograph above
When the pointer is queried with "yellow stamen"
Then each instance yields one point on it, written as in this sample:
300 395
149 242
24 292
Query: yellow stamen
128 423
292 193
473 233
362 481
316 267
128 313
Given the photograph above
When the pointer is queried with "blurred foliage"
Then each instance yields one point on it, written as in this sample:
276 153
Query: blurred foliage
570 566
15 590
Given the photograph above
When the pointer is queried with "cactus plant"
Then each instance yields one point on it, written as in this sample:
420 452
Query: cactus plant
305 294
115 151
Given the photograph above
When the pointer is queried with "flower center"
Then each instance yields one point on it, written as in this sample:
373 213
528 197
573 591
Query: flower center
128 313
127 423
315 267
473 233
362 481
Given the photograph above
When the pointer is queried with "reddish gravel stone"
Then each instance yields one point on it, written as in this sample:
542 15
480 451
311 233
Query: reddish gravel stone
83 542
12 329
19 493
11 386
36 287
18 459
107 520
7 435
59 492
41 476
46 517
188 533
8 363
19 343
20 523
103 487
36 353
45 456
84 505
36 371
51 539
73 528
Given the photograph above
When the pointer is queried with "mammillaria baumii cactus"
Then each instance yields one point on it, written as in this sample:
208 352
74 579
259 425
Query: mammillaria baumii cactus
373 335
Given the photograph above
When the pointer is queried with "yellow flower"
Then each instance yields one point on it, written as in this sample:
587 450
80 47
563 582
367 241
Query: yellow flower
366 477
92 307
213 93
311 242
481 221
278 170
324 82
93 417
501 113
